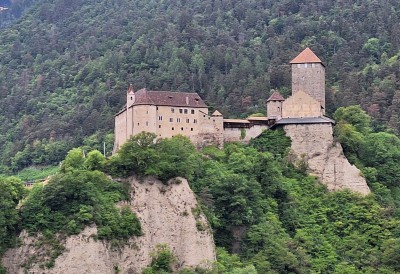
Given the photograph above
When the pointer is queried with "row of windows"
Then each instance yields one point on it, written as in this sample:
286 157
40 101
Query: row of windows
183 110
172 120
191 129
160 118
307 65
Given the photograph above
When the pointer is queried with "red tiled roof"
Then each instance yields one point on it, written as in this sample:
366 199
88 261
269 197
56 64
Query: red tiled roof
306 56
168 98
276 96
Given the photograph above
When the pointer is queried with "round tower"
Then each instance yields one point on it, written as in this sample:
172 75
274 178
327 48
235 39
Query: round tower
308 75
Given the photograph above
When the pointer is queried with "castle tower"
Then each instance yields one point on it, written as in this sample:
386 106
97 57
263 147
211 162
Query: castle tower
130 96
274 106
308 75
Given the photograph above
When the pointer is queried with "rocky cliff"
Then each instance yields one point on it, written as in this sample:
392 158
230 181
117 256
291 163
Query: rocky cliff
314 145
169 214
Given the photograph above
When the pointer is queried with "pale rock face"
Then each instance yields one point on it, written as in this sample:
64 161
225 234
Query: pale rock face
325 158
165 213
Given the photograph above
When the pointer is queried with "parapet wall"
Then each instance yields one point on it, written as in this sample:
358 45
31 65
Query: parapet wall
236 135
314 144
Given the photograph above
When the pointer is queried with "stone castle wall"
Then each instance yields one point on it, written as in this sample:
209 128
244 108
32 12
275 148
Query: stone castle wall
301 104
314 144
235 134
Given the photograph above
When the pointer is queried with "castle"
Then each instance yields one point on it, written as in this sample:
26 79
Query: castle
167 113
302 117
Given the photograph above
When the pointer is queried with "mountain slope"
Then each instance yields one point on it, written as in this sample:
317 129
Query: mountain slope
65 66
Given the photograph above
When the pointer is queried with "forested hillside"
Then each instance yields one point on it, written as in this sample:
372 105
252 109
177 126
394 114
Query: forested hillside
267 215
10 11
65 65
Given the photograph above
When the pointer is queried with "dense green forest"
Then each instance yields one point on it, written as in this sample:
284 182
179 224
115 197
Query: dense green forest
65 65
268 216
12 11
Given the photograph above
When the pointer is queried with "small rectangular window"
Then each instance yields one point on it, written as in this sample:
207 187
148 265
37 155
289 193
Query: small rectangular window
173 128
159 126
191 129
185 111
171 120
180 110
182 128
178 120
187 120
160 118
147 123
195 121
172 110
192 111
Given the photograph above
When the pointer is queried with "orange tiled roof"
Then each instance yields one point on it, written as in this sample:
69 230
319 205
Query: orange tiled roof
306 56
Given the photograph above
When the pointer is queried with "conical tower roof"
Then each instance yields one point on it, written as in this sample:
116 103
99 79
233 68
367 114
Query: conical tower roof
276 96
306 56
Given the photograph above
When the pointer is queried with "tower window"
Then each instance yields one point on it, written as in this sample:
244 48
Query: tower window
187 120
147 123
185 111
173 128
171 120
181 128
191 129
160 118
192 111
172 110
159 126
178 120
195 121
180 110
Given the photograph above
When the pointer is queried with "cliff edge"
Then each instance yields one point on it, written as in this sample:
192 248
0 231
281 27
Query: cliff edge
169 214
314 144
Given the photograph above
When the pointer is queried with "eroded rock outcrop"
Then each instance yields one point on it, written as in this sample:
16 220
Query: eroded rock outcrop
169 215
314 144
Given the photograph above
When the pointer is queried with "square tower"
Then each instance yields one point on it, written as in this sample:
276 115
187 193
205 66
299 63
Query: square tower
308 75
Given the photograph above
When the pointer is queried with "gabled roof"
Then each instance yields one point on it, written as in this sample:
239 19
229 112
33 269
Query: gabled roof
306 56
168 98
276 96
216 113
